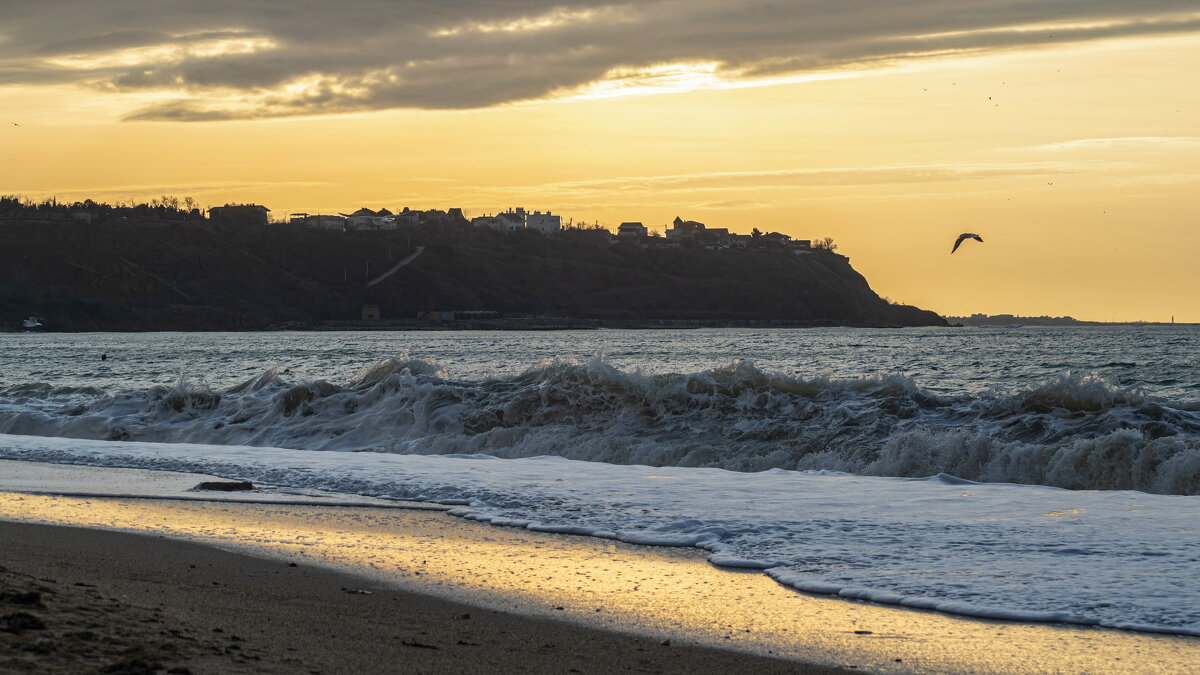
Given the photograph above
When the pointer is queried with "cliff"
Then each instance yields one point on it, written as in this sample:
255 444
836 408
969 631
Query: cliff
193 276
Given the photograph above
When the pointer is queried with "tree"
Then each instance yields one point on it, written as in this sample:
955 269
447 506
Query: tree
756 233
825 244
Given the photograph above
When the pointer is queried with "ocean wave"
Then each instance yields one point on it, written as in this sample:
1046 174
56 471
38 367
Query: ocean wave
1076 430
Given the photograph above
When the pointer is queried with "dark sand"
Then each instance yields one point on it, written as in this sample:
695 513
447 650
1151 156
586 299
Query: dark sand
128 603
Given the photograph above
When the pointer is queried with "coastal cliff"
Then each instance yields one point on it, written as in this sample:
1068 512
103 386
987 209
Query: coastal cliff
197 276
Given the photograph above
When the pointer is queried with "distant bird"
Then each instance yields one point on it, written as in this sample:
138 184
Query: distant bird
32 322
965 235
15 124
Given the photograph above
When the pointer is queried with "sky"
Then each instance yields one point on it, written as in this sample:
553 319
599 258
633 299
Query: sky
1066 133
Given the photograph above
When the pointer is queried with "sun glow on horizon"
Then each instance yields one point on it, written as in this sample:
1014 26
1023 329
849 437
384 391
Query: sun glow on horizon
1075 162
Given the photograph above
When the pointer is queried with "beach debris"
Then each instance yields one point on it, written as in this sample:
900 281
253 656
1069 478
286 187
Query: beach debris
18 622
355 591
419 645
225 486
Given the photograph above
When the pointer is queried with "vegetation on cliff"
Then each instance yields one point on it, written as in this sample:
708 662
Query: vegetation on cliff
194 275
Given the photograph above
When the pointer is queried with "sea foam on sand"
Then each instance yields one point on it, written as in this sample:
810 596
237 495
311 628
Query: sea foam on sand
1119 559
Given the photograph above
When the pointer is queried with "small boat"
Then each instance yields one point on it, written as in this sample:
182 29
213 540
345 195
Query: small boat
32 322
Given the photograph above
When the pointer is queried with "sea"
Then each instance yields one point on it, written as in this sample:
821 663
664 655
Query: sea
1029 473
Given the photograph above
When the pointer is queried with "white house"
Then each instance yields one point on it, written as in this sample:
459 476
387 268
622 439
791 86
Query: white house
362 219
505 222
543 222
317 221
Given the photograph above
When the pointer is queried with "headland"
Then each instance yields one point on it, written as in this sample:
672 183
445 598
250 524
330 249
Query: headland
183 271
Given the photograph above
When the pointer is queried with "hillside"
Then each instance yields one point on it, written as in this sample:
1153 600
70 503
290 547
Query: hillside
193 276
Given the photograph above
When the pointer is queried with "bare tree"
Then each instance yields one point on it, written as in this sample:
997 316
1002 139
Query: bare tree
825 244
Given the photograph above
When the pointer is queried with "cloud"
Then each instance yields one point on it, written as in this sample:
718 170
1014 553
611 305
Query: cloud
236 59
1123 143
140 191
734 181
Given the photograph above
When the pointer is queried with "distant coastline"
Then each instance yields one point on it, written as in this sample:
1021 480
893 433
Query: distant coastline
1011 319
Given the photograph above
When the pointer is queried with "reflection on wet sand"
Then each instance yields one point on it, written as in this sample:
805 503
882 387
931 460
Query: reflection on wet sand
669 592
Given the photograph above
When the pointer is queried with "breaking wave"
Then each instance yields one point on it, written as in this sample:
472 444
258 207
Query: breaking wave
1075 431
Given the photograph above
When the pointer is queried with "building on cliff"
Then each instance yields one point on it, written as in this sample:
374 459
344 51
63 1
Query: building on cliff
545 223
681 228
239 214
632 229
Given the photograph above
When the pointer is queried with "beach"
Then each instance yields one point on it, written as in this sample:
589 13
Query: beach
915 501
125 603
303 588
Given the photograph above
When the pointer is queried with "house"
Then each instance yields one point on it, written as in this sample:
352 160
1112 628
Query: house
632 229
366 219
505 222
545 223
408 217
434 217
239 214
493 222
362 219
514 219
776 238
318 221
684 228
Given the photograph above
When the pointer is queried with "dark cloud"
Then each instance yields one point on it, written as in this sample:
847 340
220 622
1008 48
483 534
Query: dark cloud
225 59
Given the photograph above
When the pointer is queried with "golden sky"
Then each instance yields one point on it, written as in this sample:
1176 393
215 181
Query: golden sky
1070 142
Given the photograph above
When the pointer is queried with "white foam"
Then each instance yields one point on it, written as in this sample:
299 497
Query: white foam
1075 430
1120 559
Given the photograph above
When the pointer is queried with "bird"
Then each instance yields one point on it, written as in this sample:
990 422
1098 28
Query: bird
15 124
965 235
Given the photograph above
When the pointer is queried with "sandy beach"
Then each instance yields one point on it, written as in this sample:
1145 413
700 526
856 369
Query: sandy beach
124 603
322 588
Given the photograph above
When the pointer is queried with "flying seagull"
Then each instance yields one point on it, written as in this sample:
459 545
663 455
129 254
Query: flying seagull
15 124
965 235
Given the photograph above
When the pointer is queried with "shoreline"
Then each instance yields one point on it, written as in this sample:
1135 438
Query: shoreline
138 603
648 594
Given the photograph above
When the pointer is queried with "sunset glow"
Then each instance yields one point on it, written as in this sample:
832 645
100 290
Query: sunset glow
1070 140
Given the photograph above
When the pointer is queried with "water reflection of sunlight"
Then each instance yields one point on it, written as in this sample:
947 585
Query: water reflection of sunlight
664 592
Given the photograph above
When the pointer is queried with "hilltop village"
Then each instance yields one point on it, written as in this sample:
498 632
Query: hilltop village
170 265
520 220
512 221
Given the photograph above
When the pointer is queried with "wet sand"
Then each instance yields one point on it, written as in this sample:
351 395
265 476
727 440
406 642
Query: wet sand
537 601
100 601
